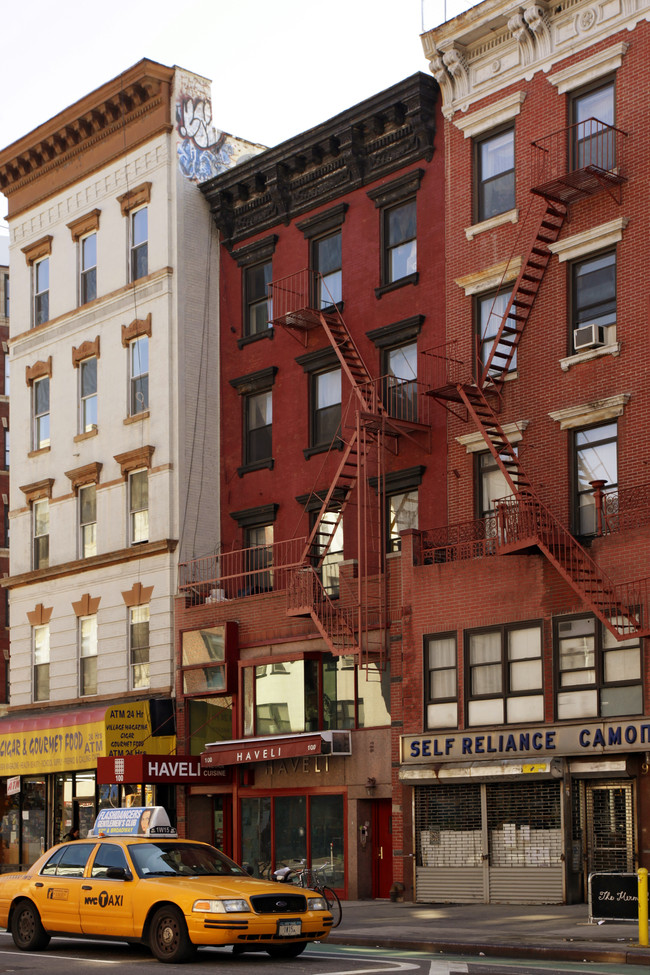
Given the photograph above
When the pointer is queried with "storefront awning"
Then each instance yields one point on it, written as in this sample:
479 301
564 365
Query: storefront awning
244 751
480 771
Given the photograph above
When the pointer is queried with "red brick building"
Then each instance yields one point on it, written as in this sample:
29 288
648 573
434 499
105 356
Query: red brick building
332 285
524 755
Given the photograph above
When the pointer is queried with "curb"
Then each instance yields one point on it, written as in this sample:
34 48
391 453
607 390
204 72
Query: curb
627 955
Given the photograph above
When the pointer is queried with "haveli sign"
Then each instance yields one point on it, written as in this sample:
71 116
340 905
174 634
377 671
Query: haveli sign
178 769
597 738
262 750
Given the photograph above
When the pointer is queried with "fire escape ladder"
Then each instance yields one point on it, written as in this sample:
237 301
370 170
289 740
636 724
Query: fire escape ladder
497 442
526 521
523 296
352 364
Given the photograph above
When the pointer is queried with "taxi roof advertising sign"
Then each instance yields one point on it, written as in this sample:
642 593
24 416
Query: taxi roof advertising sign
133 821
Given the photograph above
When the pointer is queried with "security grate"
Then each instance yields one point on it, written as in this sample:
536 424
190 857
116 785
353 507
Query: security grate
448 825
610 827
524 824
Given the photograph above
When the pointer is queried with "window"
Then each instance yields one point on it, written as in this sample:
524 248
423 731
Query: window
139 507
5 299
41 291
88 395
41 516
598 676
259 556
88 521
108 856
402 516
441 664
492 485
257 301
490 311
7 373
400 368
319 692
400 242
139 375
592 115
593 288
7 448
330 541
88 655
139 243
139 646
325 407
504 675
205 659
258 417
495 168
327 261
88 268
41 640
595 458
41 407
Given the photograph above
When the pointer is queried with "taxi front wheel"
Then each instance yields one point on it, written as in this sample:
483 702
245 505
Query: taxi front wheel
26 928
168 937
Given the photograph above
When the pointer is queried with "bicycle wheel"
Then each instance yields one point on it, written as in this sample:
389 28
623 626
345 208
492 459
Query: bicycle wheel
333 905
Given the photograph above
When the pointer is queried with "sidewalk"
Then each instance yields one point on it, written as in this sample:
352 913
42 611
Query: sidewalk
546 932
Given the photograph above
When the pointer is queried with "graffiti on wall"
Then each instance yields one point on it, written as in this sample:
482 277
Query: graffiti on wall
202 151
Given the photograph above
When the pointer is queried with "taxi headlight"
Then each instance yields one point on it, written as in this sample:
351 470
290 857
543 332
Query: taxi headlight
220 907
317 904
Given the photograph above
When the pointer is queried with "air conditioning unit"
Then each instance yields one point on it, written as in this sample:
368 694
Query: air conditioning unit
588 336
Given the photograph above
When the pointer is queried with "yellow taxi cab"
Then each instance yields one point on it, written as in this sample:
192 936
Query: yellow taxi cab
132 879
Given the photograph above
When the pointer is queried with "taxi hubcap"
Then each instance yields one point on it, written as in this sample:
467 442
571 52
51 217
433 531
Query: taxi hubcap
167 934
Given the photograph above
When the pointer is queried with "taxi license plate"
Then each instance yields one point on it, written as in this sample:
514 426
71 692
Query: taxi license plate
289 929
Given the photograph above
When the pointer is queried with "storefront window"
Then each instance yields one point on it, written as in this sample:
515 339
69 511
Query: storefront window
290 829
256 836
34 836
326 835
9 822
74 803
374 697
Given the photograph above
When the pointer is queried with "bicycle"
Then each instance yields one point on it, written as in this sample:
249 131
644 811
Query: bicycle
307 878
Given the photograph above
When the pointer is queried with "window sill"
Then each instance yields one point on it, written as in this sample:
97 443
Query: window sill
245 340
85 436
322 448
394 285
136 417
510 216
259 465
572 360
39 451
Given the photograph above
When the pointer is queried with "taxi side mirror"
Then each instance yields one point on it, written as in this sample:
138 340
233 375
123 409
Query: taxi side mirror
118 873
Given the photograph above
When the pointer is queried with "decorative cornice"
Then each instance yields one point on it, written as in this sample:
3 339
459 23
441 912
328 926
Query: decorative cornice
84 225
38 490
137 197
368 142
107 123
137 595
139 326
117 557
593 412
38 250
132 460
39 370
494 46
40 615
85 351
87 605
88 474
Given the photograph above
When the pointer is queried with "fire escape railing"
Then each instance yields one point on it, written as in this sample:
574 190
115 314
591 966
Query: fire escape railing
578 161
240 572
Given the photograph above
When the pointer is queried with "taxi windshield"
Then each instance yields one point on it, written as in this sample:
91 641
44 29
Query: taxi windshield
181 860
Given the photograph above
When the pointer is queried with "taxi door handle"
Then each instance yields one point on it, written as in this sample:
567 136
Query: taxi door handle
38 884
86 887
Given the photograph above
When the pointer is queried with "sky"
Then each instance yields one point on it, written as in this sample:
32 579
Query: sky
278 67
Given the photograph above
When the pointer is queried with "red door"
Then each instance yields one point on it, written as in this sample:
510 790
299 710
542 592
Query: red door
382 847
